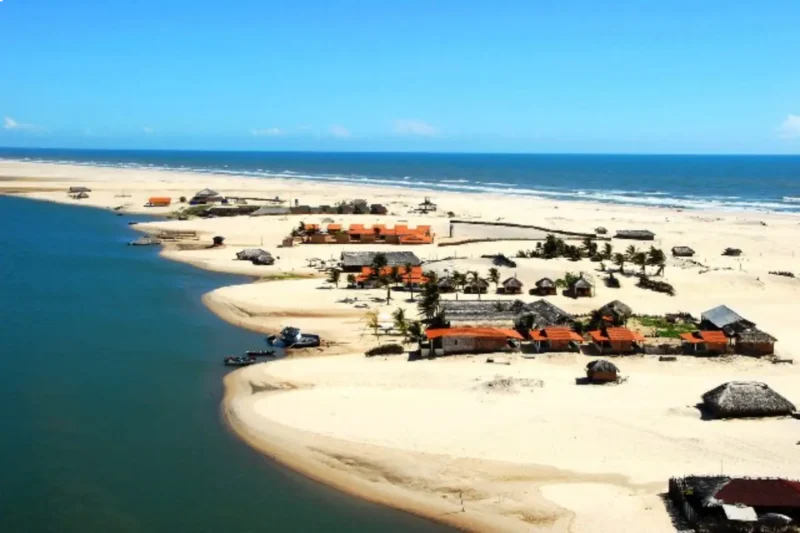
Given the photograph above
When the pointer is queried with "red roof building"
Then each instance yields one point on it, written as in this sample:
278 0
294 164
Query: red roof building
555 339
773 495
616 340
704 342
448 341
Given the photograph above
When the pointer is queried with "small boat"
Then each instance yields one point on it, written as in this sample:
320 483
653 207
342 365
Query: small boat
259 353
145 241
236 360
291 337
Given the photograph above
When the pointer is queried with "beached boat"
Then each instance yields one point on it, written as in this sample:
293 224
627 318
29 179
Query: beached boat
259 353
145 240
291 337
236 360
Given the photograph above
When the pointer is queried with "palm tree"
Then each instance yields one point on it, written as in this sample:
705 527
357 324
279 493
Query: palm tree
379 262
415 332
351 280
333 276
620 260
607 250
494 277
640 259
459 280
371 319
657 258
428 304
476 281
410 286
630 253
590 247
400 322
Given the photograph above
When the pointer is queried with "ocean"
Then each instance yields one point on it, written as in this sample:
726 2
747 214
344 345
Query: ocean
110 389
764 183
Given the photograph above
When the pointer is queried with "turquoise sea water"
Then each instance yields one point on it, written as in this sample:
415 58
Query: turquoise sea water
110 385
688 181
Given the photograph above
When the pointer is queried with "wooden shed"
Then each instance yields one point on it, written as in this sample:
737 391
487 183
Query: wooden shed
511 286
545 287
755 342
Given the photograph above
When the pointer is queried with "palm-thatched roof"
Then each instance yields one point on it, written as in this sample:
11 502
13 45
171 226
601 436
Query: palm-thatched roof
617 308
745 399
755 336
251 253
638 234
545 283
538 314
582 283
206 193
602 365
361 259
512 283
682 251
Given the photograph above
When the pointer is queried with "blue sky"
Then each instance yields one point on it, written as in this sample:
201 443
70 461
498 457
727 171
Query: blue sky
522 76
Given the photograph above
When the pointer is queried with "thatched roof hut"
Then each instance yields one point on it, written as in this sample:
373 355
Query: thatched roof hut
636 234
755 336
353 261
256 255
546 283
602 371
682 251
206 193
616 309
512 286
737 399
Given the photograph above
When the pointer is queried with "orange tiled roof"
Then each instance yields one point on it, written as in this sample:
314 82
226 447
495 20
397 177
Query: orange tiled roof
712 337
616 335
555 334
473 332
334 227
415 276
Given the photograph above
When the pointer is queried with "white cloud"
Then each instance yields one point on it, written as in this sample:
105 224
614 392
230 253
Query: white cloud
147 130
340 131
11 124
790 128
414 127
268 132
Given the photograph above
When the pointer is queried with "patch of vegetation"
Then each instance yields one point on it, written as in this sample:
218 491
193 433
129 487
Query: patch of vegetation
664 328
385 349
191 211
282 276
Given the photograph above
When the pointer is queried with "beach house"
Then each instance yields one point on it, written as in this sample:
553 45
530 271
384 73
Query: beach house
555 339
544 287
704 342
601 371
511 286
355 261
616 340
466 340
754 342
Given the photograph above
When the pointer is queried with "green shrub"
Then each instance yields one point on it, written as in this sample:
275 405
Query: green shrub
385 349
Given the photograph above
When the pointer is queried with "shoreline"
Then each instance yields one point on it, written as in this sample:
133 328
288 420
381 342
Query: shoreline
499 469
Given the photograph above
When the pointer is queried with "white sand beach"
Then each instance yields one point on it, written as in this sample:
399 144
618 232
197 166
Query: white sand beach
430 436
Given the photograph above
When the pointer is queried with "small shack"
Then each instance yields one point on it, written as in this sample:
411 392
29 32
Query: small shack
616 312
257 256
555 339
745 399
448 341
725 319
205 196
682 251
581 288
378 209
511 286
616 341
479 286
602 371
158 201
446 284
544 287
635 234
755 342
704 343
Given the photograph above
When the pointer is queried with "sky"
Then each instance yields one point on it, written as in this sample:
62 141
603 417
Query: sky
418 75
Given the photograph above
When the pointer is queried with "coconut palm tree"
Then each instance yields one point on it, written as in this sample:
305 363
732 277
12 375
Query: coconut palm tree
620 260
608 251
379 262
459 280
494 277
630 252
415 332
640 259
428 304
476 281
333 276
401 322
657 258
351 280
371 318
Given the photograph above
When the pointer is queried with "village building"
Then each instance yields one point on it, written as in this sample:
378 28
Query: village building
709 342
541 314
722 503
479 286
158 201
355 261
413 279
466 340
524 317
581 288
601 371
206 196
616 341
635 234
271 210
682 251
544 287
555 339
724 319
755 342
446 284
616 313
510 286
745 399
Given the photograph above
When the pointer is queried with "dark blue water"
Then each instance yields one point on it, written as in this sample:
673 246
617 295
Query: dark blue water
689 181
110 385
